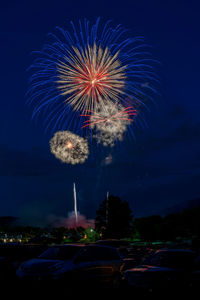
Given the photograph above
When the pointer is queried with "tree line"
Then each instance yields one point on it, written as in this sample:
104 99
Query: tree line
114 219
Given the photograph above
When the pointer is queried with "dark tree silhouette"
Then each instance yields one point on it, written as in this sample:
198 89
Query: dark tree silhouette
114 218
7 221
149 228
185 224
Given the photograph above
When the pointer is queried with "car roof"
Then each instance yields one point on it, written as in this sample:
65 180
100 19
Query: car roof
100 246
67 245
96 245
113 243
112 240
176 251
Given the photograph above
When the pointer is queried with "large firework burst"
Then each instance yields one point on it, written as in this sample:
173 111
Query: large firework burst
110 122
69 148
92 65
90 76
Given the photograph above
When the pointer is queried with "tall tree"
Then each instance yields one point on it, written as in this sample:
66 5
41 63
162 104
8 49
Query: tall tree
114 218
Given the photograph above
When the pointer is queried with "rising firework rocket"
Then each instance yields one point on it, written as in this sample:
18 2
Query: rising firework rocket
75 205
107 198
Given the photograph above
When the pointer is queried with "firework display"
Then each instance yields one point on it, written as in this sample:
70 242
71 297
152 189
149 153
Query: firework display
90 76
69 148
94 70
109 122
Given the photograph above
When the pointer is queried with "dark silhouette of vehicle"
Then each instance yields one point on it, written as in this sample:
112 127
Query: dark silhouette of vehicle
196 275
131 255
124 247
70 264
164 269
98 265
12 255
50 263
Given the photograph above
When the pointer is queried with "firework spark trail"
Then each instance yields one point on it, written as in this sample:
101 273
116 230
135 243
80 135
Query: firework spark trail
75 204
96 118
90 76
69 148
110 121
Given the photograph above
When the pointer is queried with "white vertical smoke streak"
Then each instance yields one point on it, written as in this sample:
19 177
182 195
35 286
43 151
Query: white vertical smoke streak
107 197
75 205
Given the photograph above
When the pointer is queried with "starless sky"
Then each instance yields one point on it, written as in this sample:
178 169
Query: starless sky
157 170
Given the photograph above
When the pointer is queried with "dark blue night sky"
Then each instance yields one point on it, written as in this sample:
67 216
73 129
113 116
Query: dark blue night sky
157 170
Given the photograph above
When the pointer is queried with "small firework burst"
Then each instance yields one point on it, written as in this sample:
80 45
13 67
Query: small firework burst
69 148
110 122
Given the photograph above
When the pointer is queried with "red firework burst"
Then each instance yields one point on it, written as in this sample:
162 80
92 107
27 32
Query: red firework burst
115 116
90 76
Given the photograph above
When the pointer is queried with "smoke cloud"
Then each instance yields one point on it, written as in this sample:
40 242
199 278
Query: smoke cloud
70 221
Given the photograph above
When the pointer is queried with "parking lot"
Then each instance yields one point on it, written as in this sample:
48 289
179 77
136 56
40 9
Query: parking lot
104 264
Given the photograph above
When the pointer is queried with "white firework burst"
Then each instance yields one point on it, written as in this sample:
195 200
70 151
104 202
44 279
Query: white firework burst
69 147
110 122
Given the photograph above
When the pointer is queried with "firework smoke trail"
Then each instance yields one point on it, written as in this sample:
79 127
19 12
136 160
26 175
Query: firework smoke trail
76 71
69 221
107 199
110 122
69 148
75 205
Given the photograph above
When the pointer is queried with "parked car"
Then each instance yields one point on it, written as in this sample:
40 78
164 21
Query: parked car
196 274
12 255
121 245
49 263
164 269
98 265
132 256
74 263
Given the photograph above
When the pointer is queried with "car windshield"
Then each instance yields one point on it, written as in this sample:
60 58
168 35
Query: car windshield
171 259
60 253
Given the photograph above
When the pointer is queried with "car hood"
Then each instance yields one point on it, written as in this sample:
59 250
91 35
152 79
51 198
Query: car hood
148 268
